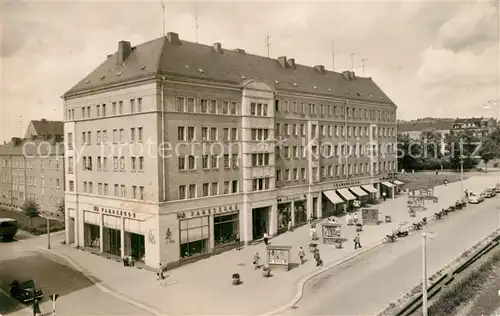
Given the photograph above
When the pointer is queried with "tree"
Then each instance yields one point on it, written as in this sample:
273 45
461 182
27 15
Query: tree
31 209
61 208
462 146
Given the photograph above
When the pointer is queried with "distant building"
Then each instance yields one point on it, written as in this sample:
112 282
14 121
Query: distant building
479 126
414 129
33 168
45 129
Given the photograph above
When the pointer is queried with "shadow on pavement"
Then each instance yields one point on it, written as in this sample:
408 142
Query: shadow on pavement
52 277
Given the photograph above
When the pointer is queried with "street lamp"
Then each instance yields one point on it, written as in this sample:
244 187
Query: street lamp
424 274
461 176
48 229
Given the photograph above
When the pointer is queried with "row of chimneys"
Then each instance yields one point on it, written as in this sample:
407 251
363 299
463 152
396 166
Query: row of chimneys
124 50
54 139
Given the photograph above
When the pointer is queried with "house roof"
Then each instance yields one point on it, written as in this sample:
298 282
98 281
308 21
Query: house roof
30 148
202 62
420 126
44 127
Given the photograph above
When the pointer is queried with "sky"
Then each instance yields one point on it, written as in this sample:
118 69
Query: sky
438 59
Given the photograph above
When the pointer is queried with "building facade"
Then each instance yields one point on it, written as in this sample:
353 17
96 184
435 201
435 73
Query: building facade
170 158
479 126
32 169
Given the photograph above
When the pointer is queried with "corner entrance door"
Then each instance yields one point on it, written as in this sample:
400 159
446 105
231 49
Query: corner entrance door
260 222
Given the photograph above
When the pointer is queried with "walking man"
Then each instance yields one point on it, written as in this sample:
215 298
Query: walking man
317 257
302 255
266 239
159 273
357 243
237 240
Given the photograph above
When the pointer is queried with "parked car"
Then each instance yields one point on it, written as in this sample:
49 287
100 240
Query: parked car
475 198
497 188
8 229
23 291
490 192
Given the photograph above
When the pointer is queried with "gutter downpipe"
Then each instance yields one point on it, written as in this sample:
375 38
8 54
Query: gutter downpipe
162 100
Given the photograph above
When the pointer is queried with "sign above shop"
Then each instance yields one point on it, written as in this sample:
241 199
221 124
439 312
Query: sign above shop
346 184
284 199
115 212
208 211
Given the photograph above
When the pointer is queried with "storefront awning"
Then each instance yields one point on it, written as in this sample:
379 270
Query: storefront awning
370 188
387 184
358 191
346 194
333 197
397 182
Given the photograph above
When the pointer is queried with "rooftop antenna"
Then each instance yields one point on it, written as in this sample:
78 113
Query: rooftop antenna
352 61
268 43
333 55
163 15
196 21
363 65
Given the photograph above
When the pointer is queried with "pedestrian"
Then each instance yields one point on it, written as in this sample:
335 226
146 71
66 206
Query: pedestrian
266 239
355 218
237 240
159 273
317 257
302 255
384 195
344 207
256 260
290 225
36 308
357 242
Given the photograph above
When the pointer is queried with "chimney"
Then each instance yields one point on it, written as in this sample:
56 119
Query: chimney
218 48
282 61
16 141
239 50
347 74
291 63
124 49
173 38
352 75
320 68
44 120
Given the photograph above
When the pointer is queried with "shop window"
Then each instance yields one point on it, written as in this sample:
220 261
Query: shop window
91 237
225 229
195 234
284 216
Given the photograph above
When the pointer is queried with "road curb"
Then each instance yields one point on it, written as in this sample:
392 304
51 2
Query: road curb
102 287
304 280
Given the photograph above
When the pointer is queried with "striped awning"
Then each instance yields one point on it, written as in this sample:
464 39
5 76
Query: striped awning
370 188
333 197
346 194
358 191
387 184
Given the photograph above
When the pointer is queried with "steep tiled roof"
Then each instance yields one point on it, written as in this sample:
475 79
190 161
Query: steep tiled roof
203 62
472 120
31 148
44 127
419 126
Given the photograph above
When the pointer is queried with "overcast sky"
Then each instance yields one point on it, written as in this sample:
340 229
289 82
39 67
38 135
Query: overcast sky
432 58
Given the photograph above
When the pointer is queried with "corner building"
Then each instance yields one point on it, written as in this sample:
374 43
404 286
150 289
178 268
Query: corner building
248 144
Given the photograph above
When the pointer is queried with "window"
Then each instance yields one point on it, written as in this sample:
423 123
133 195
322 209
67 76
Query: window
204 106
234 160
133 163
132 106
213 107
215 162
232 109
260 184
225 134
234 134
141 163
70 141
123 192
104 110
115 163
180 104
204 162
70 165
140 134
99 164
205 189
192 191
182 192
213 133
191 133
132 134
115 136
122 163
98 137
214 190
194 236
71 186
204 133
139 104
234 186
191 163
226 161
134 192
105 163
182 163
113 108
181 133
122 135
225 107
141 193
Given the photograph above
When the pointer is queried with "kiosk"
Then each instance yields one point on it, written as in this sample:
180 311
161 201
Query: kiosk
369 216
331 233
279 257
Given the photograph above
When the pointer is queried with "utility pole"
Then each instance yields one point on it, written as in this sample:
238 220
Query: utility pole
268 43
196 21
363 65
424 274
352 61
163 15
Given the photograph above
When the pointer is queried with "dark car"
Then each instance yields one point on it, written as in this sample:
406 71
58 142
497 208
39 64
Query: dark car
23 291
8 229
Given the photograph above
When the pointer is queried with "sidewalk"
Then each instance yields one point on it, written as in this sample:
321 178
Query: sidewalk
205 287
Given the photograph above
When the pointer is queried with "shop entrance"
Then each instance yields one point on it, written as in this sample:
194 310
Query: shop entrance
91 236
300 213
112 241
260 222
137 247
284 216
